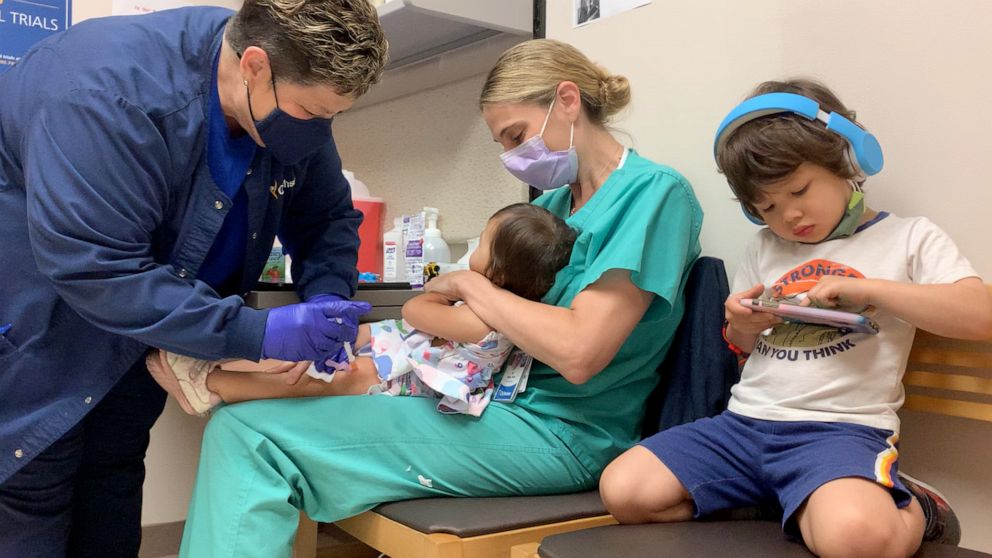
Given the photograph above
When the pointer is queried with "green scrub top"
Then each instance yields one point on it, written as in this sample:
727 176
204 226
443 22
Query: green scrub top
645 218
556 437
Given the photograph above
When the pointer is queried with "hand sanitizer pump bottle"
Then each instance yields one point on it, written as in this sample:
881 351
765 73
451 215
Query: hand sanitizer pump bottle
435 248
393 249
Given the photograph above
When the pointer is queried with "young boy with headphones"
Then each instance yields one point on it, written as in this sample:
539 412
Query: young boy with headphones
812 425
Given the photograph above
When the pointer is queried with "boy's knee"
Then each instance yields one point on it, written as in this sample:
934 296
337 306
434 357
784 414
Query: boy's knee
617 488
856 532
633 495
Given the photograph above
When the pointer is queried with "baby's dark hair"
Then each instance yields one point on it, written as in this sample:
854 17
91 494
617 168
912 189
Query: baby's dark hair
768 149
527 249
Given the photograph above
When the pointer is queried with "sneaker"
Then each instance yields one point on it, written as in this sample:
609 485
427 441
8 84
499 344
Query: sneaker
942 524
184 378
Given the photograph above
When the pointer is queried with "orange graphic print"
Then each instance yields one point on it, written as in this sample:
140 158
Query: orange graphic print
802 277
792 286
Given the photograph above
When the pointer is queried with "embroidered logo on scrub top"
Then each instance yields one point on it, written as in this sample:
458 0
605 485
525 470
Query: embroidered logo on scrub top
278 189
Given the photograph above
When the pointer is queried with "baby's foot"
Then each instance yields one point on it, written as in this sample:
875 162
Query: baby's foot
184 378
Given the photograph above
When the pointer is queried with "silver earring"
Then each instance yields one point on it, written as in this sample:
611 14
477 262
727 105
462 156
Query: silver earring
245 82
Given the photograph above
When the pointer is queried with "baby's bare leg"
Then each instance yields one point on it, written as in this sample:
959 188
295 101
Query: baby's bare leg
268 365
364 335
234 386
358 380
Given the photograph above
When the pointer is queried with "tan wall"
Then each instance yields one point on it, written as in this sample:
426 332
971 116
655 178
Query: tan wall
431 148
86 9
916 73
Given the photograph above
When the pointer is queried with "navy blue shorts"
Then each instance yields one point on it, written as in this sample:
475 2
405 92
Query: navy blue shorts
732 461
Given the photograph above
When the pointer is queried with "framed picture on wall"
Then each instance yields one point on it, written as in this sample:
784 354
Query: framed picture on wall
585 12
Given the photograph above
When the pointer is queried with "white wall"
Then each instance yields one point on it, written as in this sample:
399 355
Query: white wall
418 139
86 9
431 148
916 72
913 70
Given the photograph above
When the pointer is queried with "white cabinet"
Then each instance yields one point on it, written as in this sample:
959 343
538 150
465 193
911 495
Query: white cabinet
437 42
419 29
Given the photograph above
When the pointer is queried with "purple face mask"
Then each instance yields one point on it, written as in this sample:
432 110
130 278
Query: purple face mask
533 163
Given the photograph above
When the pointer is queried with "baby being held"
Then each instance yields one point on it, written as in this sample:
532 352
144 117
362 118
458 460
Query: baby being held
452 358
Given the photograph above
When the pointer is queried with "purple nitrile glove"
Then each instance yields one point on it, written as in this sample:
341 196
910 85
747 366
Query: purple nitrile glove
332 362
337 358
310 330
325 297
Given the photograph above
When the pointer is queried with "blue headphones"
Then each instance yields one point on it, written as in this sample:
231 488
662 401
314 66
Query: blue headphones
865 152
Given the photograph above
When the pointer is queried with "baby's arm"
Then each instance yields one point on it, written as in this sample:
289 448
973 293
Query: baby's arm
962 309
436 315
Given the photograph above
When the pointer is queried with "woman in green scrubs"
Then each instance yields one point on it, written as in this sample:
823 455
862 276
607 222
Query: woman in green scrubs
596 339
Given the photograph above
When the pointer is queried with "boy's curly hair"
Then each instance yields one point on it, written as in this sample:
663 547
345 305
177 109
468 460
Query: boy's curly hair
768 149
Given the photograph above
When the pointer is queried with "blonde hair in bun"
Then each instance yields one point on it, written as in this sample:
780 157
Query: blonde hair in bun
531 71
614 91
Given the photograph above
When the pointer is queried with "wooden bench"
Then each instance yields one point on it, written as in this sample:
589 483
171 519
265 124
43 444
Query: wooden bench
943 376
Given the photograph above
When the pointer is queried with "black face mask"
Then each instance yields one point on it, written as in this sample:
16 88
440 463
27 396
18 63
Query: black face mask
288 138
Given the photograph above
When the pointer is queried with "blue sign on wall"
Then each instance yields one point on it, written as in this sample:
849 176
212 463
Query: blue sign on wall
25 22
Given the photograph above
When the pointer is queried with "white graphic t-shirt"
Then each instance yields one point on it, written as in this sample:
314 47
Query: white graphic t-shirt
803 372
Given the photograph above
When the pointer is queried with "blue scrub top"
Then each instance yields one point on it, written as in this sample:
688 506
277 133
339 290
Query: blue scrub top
108 209
228 158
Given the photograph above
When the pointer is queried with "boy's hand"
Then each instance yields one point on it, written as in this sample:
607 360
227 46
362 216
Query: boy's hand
841 293
742 319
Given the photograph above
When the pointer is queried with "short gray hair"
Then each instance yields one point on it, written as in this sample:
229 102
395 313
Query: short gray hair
315 42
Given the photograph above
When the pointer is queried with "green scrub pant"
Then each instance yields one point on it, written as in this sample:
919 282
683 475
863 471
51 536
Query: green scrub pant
335 457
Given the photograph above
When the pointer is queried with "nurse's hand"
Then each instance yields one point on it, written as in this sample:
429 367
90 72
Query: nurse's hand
336 359
309 330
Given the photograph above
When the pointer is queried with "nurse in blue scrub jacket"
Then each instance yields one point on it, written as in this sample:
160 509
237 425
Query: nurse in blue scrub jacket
146 165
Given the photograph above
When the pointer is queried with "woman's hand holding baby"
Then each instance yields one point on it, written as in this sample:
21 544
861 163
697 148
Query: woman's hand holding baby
451 284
